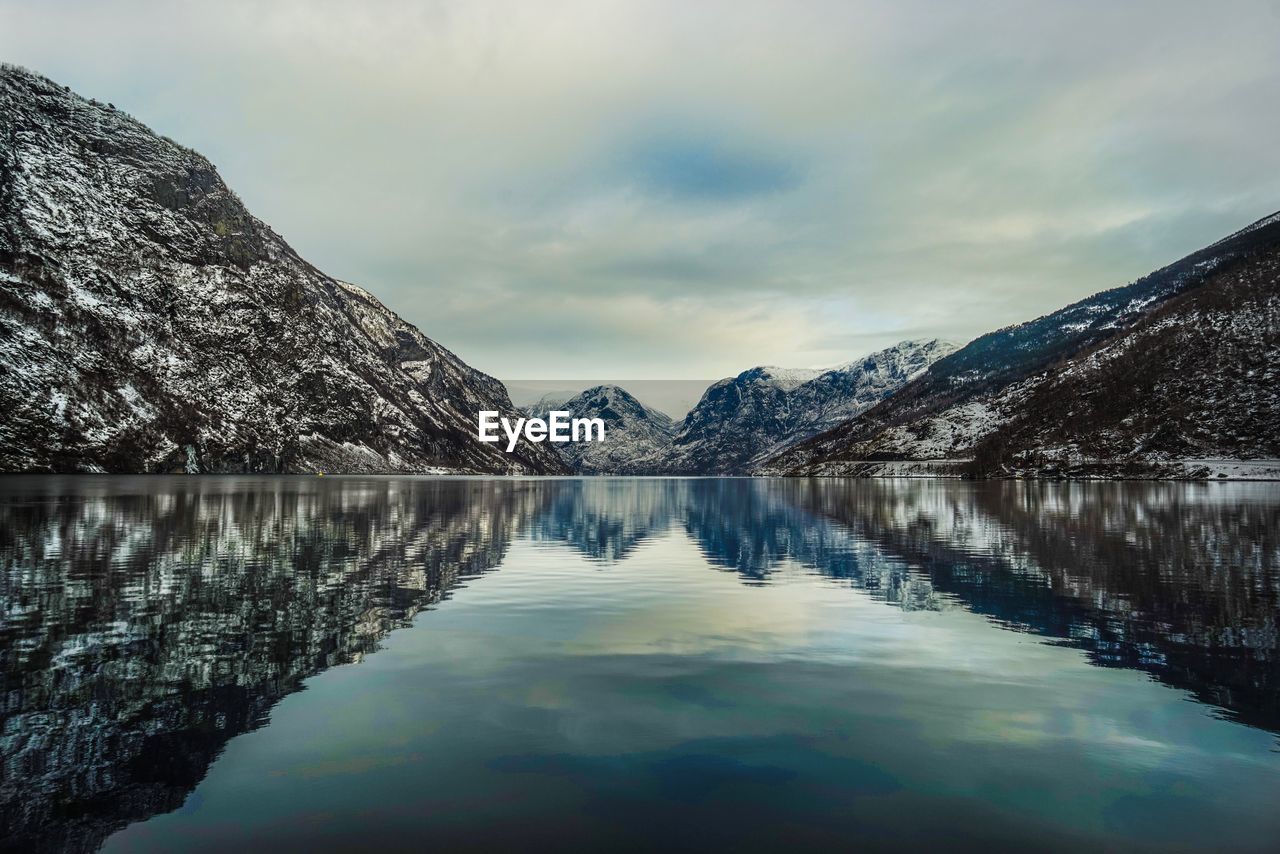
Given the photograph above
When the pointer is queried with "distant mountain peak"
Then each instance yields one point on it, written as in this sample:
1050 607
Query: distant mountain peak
636 440
745 419
914 348
783 378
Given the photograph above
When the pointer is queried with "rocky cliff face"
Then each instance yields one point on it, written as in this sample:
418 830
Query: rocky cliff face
743 421
1173 375
148 322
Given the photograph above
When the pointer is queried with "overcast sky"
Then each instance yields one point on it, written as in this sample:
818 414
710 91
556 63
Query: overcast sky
687 189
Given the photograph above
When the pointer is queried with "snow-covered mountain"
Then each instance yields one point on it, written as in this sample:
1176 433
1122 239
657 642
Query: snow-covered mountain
546 403
739 422
636 438
1176 374
744 420
839 394
149 323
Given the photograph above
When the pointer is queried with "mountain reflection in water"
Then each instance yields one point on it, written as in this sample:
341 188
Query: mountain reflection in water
148 621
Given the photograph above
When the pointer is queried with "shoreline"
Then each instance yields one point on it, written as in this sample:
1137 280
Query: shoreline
1180 471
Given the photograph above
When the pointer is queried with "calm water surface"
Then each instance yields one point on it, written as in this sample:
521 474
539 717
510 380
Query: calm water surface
396 664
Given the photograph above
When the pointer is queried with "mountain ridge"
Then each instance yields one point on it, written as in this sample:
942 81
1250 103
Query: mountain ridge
956 417
636 436
151 323
744 420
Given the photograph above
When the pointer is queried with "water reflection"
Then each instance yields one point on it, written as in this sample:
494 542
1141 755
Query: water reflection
1179 580
148 621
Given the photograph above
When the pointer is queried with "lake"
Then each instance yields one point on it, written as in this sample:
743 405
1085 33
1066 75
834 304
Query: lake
289 663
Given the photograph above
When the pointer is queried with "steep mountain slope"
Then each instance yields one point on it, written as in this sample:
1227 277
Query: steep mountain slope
148 322
636 437
744 420
1155 378
839 394
1196 383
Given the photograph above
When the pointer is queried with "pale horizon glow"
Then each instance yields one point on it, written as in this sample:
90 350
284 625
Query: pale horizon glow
676 190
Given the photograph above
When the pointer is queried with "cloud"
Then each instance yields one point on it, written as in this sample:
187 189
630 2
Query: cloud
692 167
667 189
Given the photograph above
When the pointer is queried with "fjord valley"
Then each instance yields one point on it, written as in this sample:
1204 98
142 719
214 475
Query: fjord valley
1176 375
152 324
639 426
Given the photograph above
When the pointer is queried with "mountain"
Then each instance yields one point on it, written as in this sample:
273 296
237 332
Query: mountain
546 403
148 322
1173 375
636 437
742 421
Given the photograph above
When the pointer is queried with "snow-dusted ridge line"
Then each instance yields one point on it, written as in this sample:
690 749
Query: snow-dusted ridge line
1181 365
637 437
150 323
1251 227
743 421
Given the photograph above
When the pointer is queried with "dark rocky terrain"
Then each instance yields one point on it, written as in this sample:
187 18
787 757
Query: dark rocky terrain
1174 375
148 322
